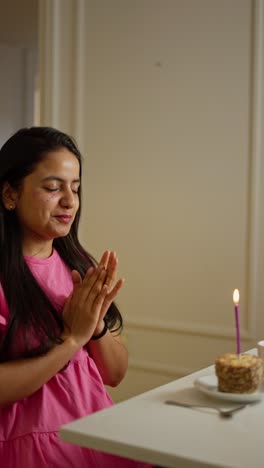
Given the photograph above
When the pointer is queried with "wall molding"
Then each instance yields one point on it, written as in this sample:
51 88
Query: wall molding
29 60
255 207
161 369
255 182
61 65
255 195
46 59
184 328
79 77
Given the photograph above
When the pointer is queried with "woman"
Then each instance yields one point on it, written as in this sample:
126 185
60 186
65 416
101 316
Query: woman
59 328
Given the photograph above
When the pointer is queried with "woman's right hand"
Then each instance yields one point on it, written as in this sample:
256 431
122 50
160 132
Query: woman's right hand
83 308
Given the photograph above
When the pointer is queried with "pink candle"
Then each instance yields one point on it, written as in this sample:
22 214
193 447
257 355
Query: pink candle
236 302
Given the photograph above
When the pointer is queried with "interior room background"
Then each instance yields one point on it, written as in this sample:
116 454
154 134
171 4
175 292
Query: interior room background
165 99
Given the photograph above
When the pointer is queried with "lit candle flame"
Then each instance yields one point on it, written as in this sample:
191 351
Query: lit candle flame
236 296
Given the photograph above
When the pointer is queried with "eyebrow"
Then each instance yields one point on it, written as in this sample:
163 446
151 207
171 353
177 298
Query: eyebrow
59 179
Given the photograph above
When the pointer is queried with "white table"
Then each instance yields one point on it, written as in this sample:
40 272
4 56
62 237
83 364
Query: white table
146 429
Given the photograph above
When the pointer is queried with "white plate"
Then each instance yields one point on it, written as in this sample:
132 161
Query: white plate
208 385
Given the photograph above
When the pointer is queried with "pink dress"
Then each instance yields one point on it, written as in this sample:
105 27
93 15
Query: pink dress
28 428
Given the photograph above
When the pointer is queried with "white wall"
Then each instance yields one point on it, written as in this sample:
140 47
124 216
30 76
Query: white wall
165 99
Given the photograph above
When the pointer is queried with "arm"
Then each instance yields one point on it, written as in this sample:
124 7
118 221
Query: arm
109 353
19 379
110 356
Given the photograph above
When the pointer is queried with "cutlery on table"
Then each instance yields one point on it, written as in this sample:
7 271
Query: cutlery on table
225 413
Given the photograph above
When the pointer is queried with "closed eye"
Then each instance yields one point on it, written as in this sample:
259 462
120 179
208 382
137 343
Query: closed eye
51 189
75 191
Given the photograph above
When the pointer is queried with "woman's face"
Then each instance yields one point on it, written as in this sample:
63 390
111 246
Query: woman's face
48 200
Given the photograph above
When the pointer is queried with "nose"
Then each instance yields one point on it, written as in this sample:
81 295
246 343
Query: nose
67 200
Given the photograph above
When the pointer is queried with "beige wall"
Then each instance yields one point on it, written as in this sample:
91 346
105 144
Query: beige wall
19 22
165 98
18 59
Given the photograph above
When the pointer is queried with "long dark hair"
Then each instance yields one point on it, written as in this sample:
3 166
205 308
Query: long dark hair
29 307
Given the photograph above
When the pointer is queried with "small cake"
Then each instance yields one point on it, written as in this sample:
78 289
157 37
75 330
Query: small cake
239 373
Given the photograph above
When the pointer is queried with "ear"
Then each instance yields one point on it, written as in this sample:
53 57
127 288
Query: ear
9 196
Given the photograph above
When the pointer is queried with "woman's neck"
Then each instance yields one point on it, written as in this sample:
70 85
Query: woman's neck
39 251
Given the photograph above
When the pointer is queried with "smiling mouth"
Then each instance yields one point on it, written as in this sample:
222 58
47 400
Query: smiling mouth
64 219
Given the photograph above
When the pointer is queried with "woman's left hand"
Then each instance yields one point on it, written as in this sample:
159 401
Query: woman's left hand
109 261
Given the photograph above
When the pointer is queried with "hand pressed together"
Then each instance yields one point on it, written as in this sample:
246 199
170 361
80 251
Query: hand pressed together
90 299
